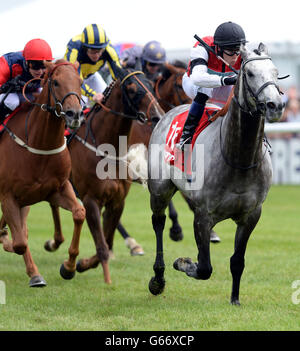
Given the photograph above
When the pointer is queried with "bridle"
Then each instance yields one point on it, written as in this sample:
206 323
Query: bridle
260 105
137 115
57 109
260 108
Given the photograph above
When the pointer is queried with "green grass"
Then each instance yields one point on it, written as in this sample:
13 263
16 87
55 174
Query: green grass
86 303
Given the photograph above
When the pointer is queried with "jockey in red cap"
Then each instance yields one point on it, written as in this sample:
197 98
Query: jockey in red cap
17 68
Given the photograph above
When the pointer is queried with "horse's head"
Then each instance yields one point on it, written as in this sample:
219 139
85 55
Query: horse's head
138 95
257 89
63 85
169 89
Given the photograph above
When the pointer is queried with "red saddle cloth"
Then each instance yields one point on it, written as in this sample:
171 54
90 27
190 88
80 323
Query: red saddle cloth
173 156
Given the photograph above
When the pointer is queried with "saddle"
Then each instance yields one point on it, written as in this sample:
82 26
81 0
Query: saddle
172 155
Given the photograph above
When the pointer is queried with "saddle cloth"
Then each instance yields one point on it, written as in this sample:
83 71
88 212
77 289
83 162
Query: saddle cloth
172 155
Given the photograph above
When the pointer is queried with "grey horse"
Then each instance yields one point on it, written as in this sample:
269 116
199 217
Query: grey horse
235 171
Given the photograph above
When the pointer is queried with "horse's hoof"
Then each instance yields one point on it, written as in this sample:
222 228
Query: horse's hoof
156 287
37 282
235 302
176 233
65 273
214 237
181 263
135 248
48 246
137 251
79 268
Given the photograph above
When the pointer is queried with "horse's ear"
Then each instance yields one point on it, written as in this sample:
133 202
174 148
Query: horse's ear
262 48
244 52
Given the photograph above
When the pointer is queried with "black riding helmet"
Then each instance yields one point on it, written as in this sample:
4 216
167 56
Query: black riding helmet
229 35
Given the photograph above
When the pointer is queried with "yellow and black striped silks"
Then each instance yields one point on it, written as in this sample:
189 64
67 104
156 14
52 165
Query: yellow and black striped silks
76 51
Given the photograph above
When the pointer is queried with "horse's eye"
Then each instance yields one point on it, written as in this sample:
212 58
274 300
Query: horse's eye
250 74
55 83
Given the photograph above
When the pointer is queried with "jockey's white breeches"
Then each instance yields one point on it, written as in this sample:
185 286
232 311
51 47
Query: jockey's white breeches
216 96
12 100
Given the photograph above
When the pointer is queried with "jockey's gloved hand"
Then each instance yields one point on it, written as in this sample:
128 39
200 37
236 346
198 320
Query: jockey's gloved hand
229 80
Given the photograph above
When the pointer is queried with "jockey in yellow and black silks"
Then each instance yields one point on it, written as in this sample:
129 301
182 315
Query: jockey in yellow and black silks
92 49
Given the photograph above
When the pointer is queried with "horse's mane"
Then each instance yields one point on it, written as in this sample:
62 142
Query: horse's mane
171 68
108 91
179 64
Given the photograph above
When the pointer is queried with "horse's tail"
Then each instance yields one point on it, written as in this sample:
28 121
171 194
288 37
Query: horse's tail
137 163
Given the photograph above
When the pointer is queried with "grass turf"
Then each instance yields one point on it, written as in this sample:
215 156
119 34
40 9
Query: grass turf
87 303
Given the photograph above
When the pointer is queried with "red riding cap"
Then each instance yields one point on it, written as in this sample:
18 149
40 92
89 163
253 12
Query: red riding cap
37 50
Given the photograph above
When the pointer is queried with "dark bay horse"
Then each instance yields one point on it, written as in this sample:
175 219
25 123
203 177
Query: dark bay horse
169 93
103 195
235 171
35 163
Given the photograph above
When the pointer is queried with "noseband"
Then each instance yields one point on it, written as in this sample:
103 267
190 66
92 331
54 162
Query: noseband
260 106
57 109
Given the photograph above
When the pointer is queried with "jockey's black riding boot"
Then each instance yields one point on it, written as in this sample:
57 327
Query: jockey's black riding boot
193 119
4 111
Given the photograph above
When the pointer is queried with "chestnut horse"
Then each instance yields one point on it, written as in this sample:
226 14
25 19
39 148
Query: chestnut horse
35 163
129 98
169 93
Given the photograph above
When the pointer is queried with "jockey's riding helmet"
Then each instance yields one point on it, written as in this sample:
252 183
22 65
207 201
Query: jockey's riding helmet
229 34
153 52
37 50
94 37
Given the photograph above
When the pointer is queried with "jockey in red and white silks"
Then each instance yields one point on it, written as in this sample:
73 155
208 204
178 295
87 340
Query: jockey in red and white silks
205 73
207 77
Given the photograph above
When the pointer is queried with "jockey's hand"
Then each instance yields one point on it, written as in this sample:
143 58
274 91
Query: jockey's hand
98 98
229 80
14 85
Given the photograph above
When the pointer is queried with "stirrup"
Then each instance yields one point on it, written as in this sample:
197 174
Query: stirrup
180 145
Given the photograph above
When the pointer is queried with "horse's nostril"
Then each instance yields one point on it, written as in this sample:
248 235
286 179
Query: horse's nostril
271 105
70 113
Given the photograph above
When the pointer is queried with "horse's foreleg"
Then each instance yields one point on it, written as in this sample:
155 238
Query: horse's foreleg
93 217
214 238
53 244
237 260
202 269
66 199
176 230
13 217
